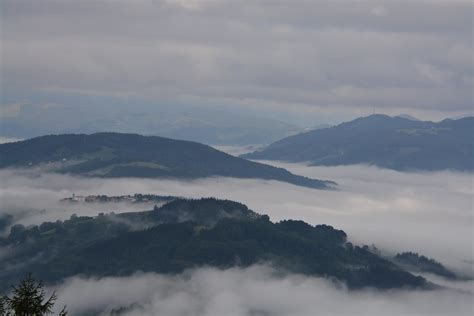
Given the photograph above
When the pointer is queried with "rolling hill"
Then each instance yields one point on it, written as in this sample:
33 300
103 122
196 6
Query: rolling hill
388 142
185 234
132 155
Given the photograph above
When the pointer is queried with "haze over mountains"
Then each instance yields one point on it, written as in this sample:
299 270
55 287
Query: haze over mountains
210 126
132 155
398 143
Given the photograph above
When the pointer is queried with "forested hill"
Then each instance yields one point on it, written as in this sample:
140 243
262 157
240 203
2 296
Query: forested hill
185 234
132 155
389 142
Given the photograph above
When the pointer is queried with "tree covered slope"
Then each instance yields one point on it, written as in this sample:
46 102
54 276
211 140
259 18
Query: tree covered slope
186 234
132 155
389 142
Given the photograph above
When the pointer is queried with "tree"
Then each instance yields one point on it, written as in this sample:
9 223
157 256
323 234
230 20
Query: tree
3 306
28 300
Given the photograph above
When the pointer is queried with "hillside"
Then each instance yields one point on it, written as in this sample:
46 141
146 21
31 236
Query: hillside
418 263
131 155
185 234
389 142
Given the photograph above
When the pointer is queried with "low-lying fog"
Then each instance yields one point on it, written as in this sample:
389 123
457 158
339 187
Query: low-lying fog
431 213
255 291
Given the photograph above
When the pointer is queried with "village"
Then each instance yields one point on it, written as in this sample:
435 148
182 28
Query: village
136 198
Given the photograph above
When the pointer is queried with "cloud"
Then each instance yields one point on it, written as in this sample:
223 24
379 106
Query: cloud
12 110
4 140
379 11
257 290
326 55
33 199
430 213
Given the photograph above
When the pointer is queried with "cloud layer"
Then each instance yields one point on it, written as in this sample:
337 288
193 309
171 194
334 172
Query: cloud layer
430 213
328 57
426 212
257 290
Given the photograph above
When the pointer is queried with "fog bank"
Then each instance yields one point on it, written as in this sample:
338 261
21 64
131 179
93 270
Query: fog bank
431 213
257 290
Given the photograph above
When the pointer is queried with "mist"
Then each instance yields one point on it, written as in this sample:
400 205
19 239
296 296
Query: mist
33 198
430 213
258 290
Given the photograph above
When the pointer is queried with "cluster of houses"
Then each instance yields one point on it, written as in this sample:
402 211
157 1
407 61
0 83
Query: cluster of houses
136 198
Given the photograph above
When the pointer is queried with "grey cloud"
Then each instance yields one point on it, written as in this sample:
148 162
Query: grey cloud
325 54
4 140
257 290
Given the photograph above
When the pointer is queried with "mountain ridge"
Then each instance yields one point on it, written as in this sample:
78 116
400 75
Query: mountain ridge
388 142
133 155
189 233
211 126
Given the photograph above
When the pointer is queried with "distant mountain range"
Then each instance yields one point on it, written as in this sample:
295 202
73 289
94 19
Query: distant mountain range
212 126
390 142
185 234
132 155
408 117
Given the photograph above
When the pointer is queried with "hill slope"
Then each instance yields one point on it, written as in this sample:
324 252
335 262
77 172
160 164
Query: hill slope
131 155
185 234
390 142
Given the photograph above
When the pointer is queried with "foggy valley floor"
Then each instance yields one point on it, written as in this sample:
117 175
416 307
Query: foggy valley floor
430 213
257 290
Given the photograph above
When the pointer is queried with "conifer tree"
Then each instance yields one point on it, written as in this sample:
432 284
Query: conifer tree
28 300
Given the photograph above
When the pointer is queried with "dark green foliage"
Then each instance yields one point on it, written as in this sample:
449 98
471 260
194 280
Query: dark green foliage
205 211
153 197
412 261
5 221
42 243
389 142
28 300
131 155
191 233
4 309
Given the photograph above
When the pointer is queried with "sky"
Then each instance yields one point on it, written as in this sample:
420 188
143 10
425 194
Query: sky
301 61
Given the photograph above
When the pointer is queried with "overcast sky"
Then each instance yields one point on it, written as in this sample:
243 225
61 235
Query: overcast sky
327 58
